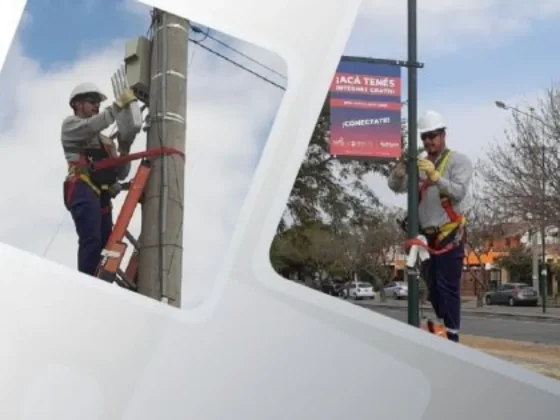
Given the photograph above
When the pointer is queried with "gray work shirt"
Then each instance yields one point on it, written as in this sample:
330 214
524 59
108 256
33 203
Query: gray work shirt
77 133
454 182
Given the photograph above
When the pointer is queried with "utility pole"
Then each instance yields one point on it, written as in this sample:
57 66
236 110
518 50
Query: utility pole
544 272
535 254
161 251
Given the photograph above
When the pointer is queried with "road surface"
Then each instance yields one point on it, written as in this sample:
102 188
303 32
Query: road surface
536 331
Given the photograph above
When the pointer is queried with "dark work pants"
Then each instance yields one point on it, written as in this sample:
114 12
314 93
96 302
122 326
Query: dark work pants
442 274
92 225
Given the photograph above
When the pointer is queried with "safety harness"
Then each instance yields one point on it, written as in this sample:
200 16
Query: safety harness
456 224
99 172
100 181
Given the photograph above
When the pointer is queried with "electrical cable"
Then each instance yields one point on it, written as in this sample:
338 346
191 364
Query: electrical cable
207 35
53 237
254 73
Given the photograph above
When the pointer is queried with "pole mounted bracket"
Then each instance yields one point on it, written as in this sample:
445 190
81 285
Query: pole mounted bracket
408 64
390 62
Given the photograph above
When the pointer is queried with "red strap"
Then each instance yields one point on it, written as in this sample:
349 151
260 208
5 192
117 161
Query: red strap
453 216
415 241
71 184
116 161
423 189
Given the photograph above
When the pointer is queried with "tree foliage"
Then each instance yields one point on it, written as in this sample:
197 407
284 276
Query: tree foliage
334 224
306 249
482 225
522 174
519 263
330 189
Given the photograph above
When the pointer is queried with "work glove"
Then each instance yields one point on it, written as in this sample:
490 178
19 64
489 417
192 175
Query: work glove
428 167
125 98
114 189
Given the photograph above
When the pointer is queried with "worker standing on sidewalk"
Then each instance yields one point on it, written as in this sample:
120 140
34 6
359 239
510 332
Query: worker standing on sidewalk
444 181
88 195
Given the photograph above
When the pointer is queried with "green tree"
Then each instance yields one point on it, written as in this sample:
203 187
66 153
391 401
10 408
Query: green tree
330 189
305 250
519 263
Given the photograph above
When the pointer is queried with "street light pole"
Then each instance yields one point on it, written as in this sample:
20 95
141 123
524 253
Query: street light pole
543 278
544 271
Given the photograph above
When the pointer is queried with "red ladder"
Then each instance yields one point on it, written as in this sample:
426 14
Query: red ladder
109 268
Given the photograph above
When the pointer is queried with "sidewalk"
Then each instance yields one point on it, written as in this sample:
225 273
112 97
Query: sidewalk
540 358
469 308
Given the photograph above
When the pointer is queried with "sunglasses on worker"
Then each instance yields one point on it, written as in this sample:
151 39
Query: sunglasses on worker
92 99
89 98
431 135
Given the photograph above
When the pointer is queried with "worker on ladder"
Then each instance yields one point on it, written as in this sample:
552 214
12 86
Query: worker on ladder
87 196
444 181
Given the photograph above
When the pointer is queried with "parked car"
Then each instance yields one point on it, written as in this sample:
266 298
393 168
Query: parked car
513 294
330 288
359 290
396 289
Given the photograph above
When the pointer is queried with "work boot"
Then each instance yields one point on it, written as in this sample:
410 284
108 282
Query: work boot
435 328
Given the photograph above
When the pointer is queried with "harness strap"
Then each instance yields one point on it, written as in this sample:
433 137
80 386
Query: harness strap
434 251
456 220
120 160
81 168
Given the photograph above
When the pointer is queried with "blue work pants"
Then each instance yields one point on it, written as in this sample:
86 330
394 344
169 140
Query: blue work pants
93 220
443 274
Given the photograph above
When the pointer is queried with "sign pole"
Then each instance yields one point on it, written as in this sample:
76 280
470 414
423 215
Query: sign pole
412 225
366 105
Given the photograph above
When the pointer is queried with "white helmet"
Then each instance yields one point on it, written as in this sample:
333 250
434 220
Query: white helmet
430 121
84 88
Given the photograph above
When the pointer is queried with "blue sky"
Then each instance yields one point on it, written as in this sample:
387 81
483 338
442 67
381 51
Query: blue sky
461 80
64 33
517 64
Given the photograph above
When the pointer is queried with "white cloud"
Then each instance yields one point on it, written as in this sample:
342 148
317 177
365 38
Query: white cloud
471 127
444 25
135 8
227 109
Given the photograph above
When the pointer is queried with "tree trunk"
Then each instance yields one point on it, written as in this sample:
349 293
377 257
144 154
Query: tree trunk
480 298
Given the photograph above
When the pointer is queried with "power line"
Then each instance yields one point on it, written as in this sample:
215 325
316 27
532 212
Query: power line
260 76
207 35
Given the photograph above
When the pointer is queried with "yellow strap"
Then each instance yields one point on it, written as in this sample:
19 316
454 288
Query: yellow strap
73 171
447 228
87 180
443 164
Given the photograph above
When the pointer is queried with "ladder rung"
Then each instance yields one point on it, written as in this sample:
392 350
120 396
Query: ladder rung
123 281
109 269
132 240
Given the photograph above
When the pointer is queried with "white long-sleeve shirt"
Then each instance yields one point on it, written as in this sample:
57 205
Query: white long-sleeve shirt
78 133
454 182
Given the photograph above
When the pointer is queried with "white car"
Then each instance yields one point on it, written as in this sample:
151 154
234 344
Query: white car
396 289
361 290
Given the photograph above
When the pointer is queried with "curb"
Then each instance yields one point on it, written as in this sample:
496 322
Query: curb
482 314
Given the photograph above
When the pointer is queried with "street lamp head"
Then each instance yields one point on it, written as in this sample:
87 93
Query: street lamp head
501 105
